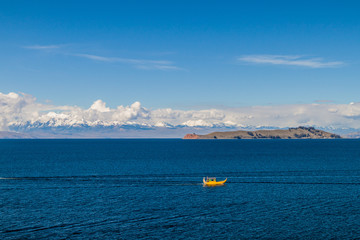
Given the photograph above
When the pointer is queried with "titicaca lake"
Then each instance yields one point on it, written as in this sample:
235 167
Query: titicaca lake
152 189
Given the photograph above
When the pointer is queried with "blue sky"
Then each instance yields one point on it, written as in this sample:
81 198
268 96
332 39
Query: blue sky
181 54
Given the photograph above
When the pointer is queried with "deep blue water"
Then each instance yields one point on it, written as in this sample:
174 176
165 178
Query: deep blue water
131 189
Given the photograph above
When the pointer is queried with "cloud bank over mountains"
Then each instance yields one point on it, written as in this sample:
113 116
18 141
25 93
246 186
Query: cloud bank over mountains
22 112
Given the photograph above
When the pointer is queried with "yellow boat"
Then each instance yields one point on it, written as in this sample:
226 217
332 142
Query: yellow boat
212 182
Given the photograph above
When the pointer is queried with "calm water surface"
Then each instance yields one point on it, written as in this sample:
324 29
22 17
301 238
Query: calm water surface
131 189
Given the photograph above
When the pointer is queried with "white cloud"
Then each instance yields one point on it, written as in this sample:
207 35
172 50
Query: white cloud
95 57
138 63
100 106
293 60
18 109
147 64
43 47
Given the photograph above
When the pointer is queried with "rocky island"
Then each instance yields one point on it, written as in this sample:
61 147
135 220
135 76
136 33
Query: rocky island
291 133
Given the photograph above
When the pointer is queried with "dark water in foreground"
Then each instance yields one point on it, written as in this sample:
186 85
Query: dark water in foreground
131 189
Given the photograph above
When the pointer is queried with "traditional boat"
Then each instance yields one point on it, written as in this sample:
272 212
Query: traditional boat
212 182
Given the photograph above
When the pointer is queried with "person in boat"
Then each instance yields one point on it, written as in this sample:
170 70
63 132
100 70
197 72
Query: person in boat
210 179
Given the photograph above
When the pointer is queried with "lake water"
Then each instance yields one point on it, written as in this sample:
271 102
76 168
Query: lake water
131 189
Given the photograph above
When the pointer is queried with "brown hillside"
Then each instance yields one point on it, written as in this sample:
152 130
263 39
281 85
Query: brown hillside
291 133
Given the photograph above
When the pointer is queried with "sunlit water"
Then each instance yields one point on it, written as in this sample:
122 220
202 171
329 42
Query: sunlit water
131 189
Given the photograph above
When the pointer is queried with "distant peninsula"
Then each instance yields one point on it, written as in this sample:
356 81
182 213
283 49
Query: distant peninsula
291 133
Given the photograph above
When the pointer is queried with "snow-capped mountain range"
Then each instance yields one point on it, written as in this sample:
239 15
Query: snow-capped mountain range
22 113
